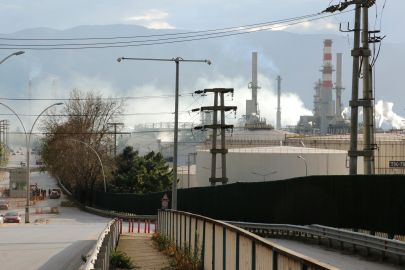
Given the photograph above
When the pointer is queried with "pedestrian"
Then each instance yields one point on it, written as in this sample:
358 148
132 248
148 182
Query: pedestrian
49 192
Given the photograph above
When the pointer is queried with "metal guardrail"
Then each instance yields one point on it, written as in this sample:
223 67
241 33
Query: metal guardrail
225 246
344 236
100 255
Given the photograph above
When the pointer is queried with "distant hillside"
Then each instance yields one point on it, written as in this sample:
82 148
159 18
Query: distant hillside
297 58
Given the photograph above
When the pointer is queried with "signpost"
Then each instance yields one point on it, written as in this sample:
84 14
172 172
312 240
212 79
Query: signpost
165 202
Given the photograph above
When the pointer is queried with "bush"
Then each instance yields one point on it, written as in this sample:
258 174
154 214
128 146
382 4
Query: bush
119 259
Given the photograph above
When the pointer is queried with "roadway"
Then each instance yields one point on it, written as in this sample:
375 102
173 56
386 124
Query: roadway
344 260
50 241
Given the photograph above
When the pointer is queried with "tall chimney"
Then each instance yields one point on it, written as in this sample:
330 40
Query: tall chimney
278 124
251 105
338 87
328 105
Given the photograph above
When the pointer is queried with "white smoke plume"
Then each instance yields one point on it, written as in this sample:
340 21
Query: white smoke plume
345 112
384 114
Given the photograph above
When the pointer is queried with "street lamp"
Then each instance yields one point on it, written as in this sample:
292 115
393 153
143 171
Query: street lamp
16 53
306 167
264 175
102 168
28 141
176 117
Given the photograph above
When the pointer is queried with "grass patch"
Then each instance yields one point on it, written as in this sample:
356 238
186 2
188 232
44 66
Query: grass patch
185 258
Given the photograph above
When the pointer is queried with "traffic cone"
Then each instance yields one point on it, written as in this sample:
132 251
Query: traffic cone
18 205
15 195
36 211
24 195
30 203
42 211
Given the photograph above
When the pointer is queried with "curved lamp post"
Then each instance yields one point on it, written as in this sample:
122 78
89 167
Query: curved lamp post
28 140
306 167
16 53
102 168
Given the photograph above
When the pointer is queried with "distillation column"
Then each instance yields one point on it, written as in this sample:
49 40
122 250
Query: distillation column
278 125
339 89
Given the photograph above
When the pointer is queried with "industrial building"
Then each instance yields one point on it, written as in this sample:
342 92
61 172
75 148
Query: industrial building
253 164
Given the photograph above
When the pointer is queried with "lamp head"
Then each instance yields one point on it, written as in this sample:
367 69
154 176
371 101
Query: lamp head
120 58
60 103
299 157
208 62
18 53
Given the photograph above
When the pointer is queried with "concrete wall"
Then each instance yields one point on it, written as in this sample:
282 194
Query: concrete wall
286 165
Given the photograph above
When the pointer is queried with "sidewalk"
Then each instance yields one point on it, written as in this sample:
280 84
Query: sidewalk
139 247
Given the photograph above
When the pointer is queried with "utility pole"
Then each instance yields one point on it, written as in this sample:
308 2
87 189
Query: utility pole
366 102
177 60
115 136
188 167
215 126
278 125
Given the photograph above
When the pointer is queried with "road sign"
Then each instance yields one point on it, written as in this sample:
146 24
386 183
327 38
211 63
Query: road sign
397 164
165 201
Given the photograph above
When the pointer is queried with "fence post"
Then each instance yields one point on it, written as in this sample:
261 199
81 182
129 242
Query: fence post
254 255
213 246
129 225
275 263
120 226
180 232
189 236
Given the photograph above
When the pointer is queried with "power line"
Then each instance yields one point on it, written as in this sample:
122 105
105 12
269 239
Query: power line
147 36
238 29
176 41
80 99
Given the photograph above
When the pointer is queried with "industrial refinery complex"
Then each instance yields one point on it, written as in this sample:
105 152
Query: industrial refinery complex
257 151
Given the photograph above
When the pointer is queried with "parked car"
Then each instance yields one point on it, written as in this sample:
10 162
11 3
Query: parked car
57 190
14 154
18 151
54 194
22 153
23 164
32 153
39 162
12 217
3 205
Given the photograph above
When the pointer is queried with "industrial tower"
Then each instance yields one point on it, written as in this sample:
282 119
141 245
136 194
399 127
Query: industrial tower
338 87
328 105
55 88
252 113
278 124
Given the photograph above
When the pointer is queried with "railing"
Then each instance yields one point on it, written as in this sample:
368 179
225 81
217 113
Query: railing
118 215
224 246
354 238
100 255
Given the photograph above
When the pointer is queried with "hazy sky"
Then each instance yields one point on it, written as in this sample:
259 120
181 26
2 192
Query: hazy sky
184 14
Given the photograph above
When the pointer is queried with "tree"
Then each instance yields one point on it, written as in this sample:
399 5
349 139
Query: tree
136 174
84 118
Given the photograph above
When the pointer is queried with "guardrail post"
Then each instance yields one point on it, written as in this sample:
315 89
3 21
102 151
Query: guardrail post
399 259
329 242
382 255
224 248
213 246
275 259
354 248
237 251
254 255
367 251
203 245
319 240
342 246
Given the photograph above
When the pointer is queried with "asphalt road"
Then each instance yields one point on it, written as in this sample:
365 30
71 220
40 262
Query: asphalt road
49 241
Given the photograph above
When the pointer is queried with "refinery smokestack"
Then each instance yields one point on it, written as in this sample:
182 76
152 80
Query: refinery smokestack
278 124
251 105
328 105
338 87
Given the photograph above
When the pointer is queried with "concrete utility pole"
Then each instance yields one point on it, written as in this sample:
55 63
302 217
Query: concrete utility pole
214 151
176 117
278 125
354 103
115 136
188 167
368 128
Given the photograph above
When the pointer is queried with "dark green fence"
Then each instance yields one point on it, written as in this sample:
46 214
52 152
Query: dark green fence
375 203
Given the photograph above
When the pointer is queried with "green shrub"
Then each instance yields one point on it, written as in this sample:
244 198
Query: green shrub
119 259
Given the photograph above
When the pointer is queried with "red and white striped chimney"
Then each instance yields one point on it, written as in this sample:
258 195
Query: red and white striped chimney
328 105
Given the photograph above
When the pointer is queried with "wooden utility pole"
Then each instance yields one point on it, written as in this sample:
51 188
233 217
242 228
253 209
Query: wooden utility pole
115 136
